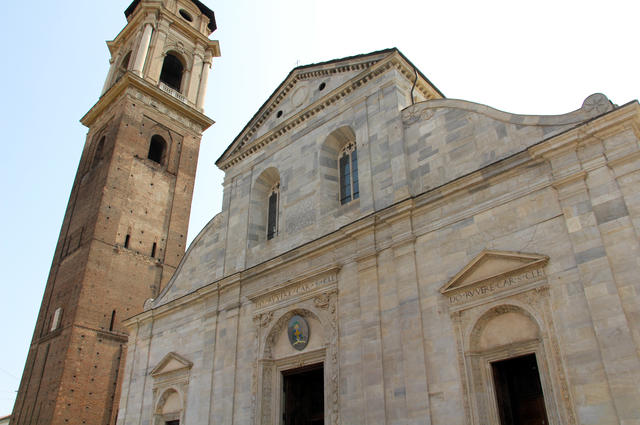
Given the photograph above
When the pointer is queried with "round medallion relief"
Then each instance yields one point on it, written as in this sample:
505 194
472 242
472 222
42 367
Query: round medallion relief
298 332
300 96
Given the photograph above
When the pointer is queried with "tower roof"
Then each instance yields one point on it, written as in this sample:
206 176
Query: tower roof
204 9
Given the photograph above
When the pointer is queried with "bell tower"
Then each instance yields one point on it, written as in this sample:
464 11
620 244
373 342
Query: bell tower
125 227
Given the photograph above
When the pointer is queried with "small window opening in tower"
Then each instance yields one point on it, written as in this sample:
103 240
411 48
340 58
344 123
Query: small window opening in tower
99 152
113 319
186 15
172 70
153 250
126 241
157 147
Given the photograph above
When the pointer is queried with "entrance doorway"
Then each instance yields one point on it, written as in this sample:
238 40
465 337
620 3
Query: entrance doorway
303 396
519 392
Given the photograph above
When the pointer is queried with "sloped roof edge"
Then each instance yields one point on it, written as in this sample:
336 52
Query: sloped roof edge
313 65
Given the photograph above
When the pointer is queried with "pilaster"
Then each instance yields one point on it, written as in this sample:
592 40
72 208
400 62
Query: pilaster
585 197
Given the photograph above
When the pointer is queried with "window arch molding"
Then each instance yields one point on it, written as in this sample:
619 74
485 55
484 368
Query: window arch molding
265 206
338 164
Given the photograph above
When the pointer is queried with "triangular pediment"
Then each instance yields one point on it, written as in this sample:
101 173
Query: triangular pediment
493 264
170 363
309 89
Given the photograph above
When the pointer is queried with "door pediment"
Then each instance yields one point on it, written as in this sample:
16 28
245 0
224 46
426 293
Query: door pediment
490 265
172 362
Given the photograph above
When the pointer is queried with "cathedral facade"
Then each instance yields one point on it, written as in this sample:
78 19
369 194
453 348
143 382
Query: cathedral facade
385 255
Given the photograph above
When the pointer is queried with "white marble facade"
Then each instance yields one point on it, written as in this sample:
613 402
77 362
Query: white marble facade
478 236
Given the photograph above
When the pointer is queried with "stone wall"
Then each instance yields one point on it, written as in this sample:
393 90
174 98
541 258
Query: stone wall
489 220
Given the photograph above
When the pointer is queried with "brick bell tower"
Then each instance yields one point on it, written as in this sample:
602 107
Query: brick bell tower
125 228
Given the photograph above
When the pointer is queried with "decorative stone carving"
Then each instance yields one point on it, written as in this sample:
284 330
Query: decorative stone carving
414 114
322 301
263 320
267 370
597 102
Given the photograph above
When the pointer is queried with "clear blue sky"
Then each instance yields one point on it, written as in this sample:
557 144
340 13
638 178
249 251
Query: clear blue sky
540 57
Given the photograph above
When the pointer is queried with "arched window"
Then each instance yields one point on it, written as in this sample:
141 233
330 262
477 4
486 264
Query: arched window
272 211
157 148
172 69
99 154
264 207
124 66
348 162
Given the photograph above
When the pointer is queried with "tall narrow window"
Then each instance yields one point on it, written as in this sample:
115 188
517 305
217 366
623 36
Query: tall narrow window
126 241
153 250
272 214
349 188
172 70
157 148
113 320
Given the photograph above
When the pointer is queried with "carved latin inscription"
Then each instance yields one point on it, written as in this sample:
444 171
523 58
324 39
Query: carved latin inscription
487 288
294 290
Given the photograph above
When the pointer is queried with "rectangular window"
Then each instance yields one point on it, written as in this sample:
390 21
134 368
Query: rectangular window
354 173
57 315
345 180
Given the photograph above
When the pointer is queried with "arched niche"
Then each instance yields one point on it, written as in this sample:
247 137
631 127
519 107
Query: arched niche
503 326
262 192
328 164
169 407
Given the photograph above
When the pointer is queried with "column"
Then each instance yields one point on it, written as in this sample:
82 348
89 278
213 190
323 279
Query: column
157 53
206 67
143 49
196 72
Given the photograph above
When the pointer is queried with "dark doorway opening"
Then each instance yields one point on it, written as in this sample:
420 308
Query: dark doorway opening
303 395
519 392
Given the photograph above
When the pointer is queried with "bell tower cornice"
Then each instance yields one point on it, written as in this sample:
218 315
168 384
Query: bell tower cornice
161 19
131 80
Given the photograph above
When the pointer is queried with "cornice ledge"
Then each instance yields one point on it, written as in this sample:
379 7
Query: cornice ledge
241 152
397 212
569 179
131 80
138 319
